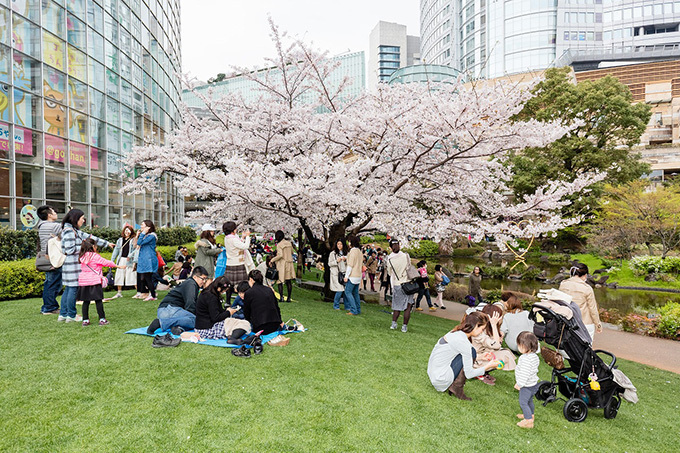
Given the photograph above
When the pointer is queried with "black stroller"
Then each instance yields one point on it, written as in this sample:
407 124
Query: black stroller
559 324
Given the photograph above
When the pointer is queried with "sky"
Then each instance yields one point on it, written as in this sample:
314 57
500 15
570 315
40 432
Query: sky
220 34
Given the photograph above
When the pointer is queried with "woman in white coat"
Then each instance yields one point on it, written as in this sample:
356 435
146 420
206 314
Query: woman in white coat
337 263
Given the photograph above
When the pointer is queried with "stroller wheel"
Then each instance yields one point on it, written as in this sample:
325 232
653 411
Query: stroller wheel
612 407
575 410
545 391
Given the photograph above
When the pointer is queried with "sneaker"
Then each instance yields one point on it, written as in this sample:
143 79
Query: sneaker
61 318
137 296
419 309
443 307
77 318
53 312
258 348
146 299
393 326
103 322
86 323
115 296
485 379
433 309
176 330
350 313
241 352
165 341
404 328
436 304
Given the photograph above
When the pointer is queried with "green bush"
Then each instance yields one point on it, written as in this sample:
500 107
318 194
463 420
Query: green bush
423 249
17 245
471 251
19 279
531 274
378 237
175 236
669 320
496 272
655 264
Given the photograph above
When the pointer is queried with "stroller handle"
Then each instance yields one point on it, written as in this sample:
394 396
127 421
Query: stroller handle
613 357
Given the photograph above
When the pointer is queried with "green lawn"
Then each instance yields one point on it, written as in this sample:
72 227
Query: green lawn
347 384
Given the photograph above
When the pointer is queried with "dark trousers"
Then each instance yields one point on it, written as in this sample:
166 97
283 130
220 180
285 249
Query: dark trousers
100 309
145 283
424 291
457 363
51 290
526 401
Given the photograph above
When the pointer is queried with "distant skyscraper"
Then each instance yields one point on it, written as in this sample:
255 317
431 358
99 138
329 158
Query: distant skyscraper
490 38
390 48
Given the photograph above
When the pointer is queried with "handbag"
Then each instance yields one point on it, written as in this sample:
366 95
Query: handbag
552 357
43 263
341 278
54 252
445 280
104 280
411 271
272 273
411 287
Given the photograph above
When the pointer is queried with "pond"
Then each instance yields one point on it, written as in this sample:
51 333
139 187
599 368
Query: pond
624 300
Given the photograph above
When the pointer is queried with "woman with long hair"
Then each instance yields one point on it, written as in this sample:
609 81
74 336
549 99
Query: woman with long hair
284 263
475 288
211 315
147 260
122 254
207 250
450 363
488 344
355 261
71 239
236 249
337 263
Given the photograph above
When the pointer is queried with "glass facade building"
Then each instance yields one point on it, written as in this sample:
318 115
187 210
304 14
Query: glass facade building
82 82
424 73
491 38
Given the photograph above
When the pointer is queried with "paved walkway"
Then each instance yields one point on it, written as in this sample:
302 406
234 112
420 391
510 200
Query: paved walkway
656 352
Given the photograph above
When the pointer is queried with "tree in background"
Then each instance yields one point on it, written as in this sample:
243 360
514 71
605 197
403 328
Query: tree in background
604 125
638 214
218 78
409 159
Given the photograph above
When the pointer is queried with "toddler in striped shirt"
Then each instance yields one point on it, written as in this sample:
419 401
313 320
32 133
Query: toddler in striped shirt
526 377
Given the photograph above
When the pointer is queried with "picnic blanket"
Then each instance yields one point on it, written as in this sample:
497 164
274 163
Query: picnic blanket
218 343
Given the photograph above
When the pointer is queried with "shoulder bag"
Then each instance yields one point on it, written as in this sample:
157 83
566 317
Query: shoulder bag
54 252
272 274
104 280
410 287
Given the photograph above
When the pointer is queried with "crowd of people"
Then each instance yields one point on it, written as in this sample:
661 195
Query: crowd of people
199 288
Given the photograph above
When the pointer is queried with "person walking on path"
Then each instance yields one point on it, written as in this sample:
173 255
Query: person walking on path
475 285
439 286
372 268
207 250
48 227
284 263
90 280
397 264
147 260
582 294
337 262
71 239
424 286
355 262
122 254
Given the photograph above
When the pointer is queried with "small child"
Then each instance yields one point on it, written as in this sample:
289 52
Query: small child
526 377
241 289
90 280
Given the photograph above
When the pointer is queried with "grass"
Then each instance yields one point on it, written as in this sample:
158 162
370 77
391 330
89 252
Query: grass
624 276
347 384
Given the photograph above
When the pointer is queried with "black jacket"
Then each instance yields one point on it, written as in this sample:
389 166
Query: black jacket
183 296
261 307
209 310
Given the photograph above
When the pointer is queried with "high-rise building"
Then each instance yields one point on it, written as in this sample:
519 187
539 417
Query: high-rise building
491 38
390 48
350 65
82 82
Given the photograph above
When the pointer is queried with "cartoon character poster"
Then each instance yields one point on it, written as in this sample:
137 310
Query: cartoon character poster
54 92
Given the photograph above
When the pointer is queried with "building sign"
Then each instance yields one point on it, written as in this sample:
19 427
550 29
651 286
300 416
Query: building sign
23 140
29 216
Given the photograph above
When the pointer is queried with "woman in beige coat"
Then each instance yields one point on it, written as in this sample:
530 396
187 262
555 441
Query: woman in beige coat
284 263
583 295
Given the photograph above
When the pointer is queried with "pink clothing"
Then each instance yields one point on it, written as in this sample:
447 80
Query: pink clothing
91 269
423 272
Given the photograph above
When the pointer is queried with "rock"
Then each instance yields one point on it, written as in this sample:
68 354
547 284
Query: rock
487 255
652 278
544 259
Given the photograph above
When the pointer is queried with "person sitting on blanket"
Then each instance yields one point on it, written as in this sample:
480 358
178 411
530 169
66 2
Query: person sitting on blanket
214 322
260 306
241 289
178 307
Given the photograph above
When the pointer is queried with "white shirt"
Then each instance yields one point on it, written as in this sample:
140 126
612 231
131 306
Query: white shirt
235 247
526 372
447 348
514 324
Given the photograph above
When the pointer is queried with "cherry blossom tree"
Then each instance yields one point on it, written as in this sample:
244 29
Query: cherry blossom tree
409 159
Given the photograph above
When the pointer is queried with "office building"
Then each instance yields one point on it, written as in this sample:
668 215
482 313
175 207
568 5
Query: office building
390 48
492 38
83 81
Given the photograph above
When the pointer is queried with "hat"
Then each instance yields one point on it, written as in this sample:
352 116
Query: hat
208 227
394 241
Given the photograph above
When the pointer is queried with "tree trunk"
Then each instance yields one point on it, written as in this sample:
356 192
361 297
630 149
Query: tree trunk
301 259
650 250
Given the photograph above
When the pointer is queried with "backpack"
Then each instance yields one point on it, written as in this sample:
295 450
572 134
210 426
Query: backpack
221 264
54 252
445 280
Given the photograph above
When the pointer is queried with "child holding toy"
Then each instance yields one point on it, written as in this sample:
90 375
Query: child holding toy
90 280
526 377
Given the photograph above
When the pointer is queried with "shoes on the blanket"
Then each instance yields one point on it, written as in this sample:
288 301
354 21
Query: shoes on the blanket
155 325
176 330
241 352
165 341
258 348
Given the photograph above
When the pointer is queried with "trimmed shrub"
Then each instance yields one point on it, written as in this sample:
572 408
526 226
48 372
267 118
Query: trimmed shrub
175 235
106 233
17 245
669 320
19 279
423 249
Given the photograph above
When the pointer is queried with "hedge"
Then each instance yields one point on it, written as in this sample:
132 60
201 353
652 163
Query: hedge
18 245
423 249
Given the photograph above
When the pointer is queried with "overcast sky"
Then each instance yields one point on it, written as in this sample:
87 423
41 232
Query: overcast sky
219 34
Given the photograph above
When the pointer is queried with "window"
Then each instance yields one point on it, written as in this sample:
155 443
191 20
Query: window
27 109
53 18
76 33
566 36
27 146
27 73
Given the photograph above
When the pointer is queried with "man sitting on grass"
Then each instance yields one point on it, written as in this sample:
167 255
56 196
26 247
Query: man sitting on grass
177 310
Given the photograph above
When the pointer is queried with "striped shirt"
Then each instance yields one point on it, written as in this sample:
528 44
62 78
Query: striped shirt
71 239
526 372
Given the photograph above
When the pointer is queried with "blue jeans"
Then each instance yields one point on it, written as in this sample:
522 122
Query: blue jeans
457 363
51 290
424 292
171 316
352 301
336 300
68 301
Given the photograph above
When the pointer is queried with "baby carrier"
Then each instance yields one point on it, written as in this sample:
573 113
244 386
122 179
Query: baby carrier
585 379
